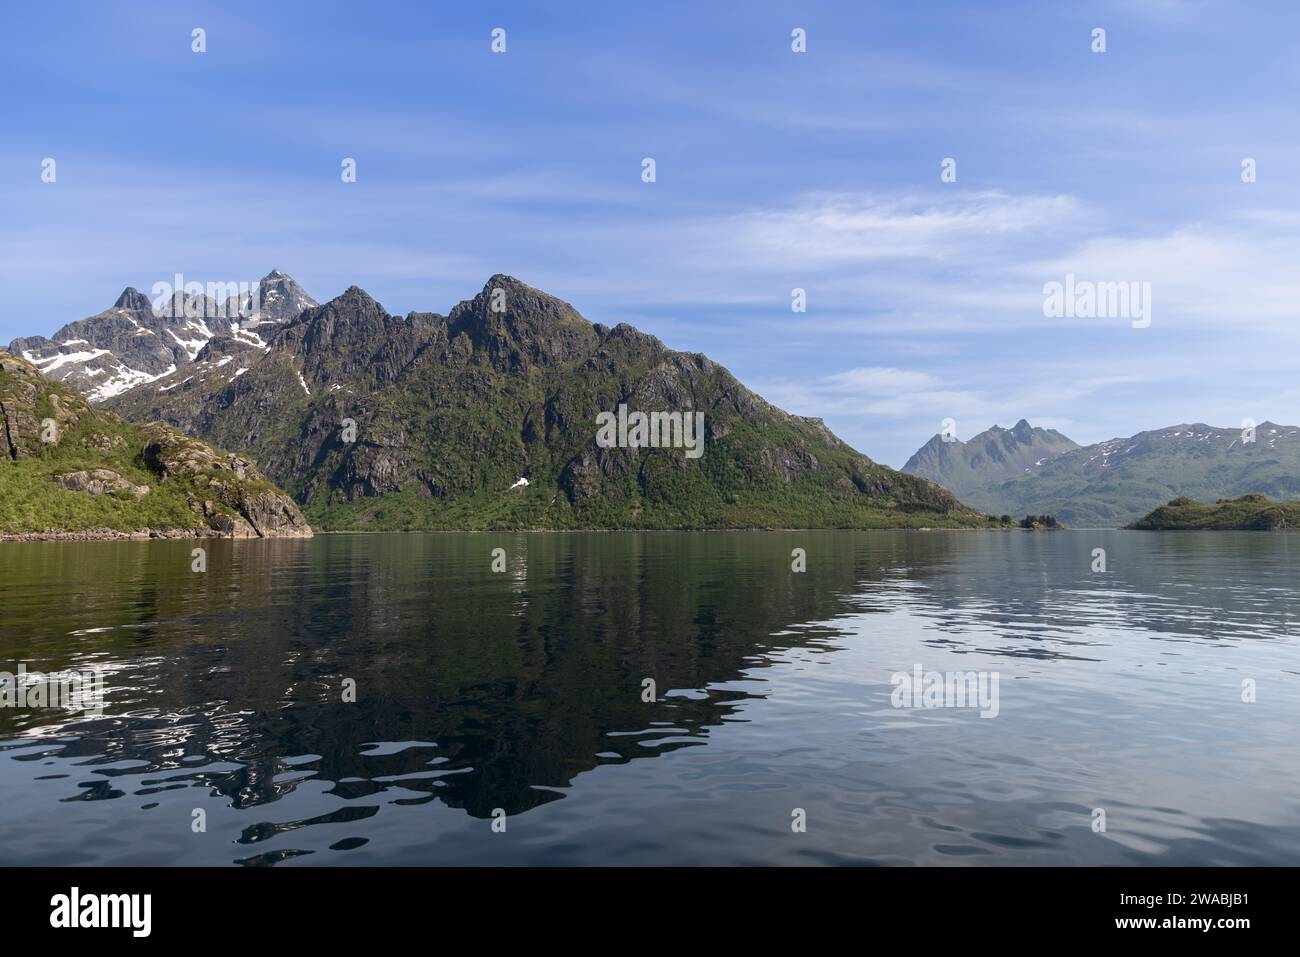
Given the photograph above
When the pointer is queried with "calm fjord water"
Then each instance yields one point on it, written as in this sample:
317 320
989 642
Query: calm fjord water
522 691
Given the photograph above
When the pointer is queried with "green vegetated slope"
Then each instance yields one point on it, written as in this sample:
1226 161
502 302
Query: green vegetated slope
67 466
1247 513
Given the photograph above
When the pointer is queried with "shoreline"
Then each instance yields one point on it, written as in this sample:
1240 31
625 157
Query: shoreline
172 534
138 535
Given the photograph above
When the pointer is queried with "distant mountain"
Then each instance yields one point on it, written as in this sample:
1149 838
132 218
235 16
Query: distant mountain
68 468
489 417
1247 513
995 455
1118 481
277 299
134 343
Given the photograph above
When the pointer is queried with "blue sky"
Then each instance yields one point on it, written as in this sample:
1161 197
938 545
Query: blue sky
775 170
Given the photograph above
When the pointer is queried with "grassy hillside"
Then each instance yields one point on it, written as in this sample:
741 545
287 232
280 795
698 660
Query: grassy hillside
97 472
1247 513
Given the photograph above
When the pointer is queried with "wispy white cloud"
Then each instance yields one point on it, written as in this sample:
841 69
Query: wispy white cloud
878 380
826 231
1229 273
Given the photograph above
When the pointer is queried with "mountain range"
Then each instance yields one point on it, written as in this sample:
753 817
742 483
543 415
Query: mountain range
136 340
487 417
993 455
1116 482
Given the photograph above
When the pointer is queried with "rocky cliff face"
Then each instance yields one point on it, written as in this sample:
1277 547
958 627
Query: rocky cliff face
67 467
137 341
376 420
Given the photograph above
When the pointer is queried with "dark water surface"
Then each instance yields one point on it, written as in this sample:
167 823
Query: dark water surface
522 691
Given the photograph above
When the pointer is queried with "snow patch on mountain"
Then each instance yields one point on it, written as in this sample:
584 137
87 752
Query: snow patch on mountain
130 344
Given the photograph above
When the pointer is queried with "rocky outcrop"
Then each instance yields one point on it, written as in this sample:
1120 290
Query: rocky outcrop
98 482
150 481
226 489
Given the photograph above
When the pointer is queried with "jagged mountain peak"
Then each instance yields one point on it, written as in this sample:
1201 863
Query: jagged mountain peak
354 296
502 280
353 339
625 332
1019 429
993 454
131 344
353 308
506 297
279 299
134 300
279 279
519 326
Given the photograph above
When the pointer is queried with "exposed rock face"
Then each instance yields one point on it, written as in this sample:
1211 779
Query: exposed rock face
376 420
528 329
148 480
352 339
134 343
99 482
235 498
279 299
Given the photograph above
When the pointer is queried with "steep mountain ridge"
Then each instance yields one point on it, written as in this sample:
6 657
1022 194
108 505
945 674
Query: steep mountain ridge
133 343
996 453
378 421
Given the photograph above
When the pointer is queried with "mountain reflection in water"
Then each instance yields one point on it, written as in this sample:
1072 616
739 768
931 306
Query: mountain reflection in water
521 692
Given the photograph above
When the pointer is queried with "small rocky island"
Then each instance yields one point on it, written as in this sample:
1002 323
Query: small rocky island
70 470
1247 513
